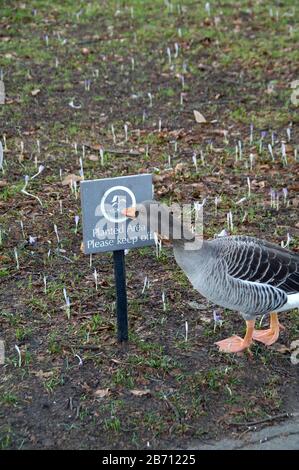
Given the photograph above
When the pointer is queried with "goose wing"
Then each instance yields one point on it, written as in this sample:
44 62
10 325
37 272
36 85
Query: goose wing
254 260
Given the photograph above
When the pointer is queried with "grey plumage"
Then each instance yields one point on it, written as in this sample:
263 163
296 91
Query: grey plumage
242 273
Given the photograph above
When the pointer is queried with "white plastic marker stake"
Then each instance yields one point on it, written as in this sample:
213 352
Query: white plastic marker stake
176 48
168 55
194 159
95 275
251 159
17 258
22 228
225 139
285 193
132 64
150 97
160 125
217 201
145 284
229 217
251 134
126 132
182 81
271 151
240 149
284 153
249 186
74 187
186 331
45 284
67 304
60 206
90 260
208 8
102 156
289 134
56 233
77 218
81 168
113 134
164 301
29 194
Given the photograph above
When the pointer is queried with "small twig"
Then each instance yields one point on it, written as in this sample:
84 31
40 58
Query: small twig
172 407
265 420
89 346
120 151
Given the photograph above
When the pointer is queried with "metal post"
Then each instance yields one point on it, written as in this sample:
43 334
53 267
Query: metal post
121 295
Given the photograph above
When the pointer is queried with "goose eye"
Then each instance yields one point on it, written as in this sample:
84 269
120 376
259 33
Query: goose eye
136 213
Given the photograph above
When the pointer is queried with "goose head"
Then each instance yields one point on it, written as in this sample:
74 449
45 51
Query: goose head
166 222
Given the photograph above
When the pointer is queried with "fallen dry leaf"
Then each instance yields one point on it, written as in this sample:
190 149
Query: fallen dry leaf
294 344
69 179
295 348
140 393
43 374
281 348
102 392
93 158
294 357
199 118
180 167
35 92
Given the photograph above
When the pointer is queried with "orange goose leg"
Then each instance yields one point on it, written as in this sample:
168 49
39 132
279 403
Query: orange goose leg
235 343
270 335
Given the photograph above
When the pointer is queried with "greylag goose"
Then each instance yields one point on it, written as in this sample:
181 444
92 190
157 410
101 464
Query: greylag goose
241 273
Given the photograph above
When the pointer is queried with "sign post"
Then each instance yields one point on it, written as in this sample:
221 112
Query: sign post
121 295
105 228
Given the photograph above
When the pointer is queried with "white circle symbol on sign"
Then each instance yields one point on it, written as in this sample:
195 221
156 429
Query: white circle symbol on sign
106 194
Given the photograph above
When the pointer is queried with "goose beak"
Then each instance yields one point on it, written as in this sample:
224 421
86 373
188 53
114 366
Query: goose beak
129 212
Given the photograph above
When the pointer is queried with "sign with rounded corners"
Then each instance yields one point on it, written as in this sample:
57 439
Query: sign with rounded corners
105 228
